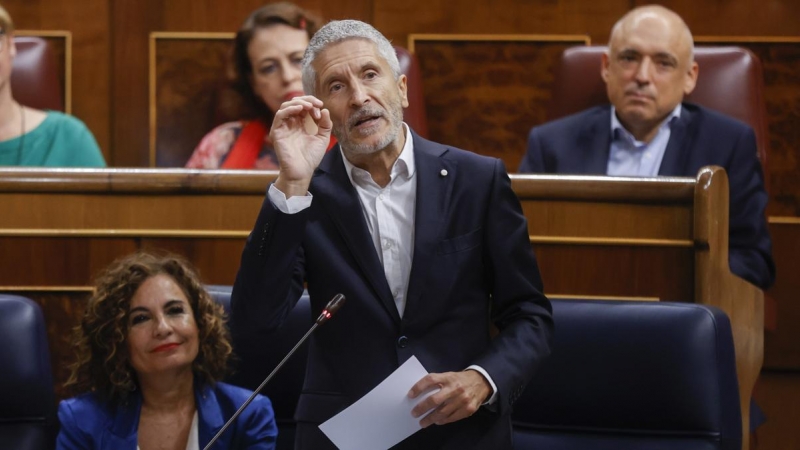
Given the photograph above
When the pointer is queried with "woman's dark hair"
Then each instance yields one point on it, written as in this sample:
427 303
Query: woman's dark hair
102 362
275 13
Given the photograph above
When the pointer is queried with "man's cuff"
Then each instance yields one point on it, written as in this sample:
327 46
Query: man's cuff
480 370
291 205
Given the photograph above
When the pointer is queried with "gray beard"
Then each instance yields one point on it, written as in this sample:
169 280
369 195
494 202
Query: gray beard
395 116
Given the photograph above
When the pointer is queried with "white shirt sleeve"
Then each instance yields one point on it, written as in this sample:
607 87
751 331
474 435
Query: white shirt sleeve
480 370
291 205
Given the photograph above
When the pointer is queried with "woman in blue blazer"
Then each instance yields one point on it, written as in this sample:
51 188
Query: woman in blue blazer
151 348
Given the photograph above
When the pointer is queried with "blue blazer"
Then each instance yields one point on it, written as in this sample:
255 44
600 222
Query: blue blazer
580 144
472 258
89 423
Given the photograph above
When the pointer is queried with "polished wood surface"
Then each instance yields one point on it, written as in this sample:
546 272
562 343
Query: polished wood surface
183 109
594 236
485 92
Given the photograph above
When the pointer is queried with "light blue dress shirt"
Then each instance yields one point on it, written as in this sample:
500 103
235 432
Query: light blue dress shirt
631 158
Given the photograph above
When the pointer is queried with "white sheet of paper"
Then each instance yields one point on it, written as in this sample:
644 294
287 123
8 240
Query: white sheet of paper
382 418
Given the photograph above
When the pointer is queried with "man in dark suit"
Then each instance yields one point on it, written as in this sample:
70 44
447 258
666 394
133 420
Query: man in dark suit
427 242
648 131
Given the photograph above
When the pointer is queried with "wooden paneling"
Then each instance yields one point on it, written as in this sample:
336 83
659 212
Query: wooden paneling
488 93
596 236
778 395
782 345
399 19
580 271
57 261
736 17
189 92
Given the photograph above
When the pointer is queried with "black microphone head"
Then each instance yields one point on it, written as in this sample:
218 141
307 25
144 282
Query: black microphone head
330 309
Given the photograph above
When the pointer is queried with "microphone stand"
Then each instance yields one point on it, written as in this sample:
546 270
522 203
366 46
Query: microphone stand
336 302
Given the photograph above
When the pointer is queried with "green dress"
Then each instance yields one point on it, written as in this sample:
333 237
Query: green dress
59 141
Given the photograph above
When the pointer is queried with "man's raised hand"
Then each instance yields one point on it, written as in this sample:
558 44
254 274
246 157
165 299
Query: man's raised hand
299 145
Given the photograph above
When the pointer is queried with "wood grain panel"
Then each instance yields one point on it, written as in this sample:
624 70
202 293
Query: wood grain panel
488 93
189 96
778 394
667 274
580 219
736 17
398 19
32 261
782 345
217 260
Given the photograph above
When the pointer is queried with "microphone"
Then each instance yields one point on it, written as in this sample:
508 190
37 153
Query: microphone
330 309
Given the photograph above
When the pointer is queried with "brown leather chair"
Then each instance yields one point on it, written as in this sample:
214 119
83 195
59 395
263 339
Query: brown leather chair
730 81
34 76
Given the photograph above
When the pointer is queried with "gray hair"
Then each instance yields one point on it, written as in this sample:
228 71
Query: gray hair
337 31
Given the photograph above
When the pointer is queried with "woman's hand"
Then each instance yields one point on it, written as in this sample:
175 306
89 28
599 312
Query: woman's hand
300 133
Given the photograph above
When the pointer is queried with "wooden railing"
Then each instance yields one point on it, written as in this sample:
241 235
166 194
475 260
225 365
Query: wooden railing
595 237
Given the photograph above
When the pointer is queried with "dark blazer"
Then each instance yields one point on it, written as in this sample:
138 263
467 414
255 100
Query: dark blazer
472 258
89 423
580 144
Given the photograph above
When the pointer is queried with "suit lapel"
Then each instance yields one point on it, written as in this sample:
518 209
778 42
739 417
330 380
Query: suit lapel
122 434
676 153
340 199
594 144
435 175
210 419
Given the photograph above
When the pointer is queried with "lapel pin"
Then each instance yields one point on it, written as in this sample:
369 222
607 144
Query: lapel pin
443 172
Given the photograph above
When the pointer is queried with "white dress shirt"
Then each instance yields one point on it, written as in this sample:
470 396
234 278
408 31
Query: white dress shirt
631 158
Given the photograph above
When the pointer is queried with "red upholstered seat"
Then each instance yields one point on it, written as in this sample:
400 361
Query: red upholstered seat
34 78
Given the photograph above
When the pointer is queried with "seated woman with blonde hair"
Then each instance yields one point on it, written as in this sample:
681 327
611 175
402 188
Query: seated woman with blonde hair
30 137
151 348
267 53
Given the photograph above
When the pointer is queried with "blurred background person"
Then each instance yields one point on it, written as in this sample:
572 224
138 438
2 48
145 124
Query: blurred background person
151 348
266 59
30 137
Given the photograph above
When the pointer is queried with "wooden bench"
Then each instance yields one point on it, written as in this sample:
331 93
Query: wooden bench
595 237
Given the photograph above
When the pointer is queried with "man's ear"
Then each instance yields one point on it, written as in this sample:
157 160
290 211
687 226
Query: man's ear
604 66
402 86
691 78
12 47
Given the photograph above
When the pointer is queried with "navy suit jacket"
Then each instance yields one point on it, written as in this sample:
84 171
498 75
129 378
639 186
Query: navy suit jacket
88 423
472 266
580 144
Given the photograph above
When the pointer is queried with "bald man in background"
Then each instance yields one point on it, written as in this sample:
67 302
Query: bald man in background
648 130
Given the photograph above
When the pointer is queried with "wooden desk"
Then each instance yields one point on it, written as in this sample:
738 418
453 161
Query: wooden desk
658 239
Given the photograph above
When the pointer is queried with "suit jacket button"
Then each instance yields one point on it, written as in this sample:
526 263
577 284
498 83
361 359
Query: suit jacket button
402 342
